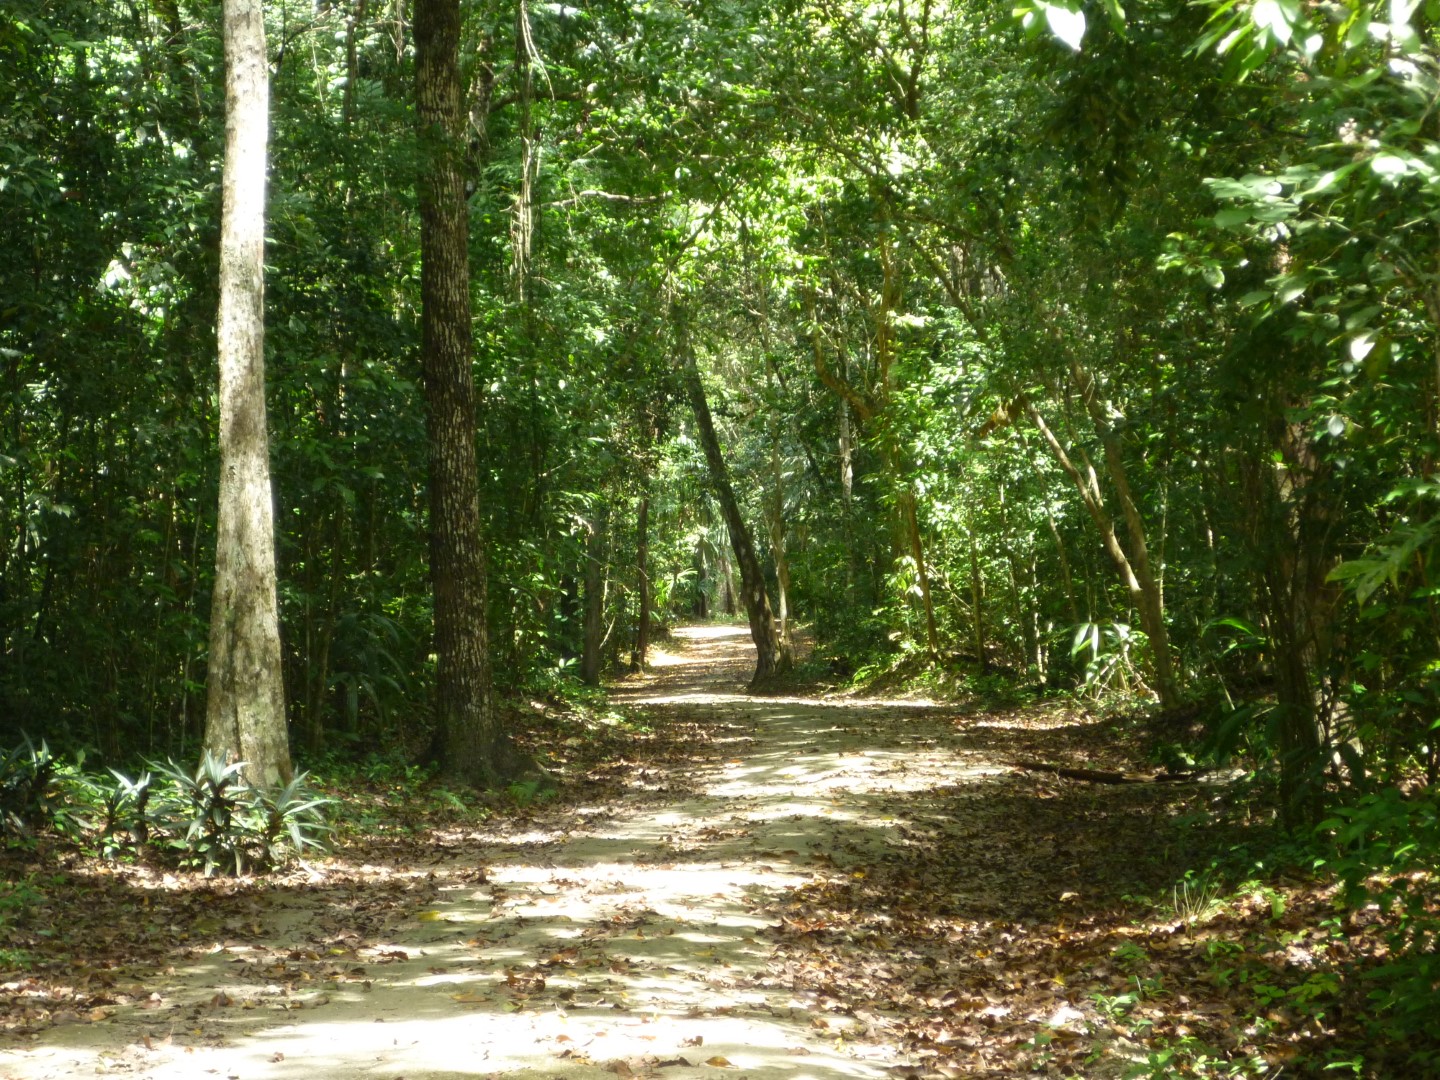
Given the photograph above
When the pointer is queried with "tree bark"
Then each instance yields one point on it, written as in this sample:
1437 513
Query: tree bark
770 659
245 716
472 745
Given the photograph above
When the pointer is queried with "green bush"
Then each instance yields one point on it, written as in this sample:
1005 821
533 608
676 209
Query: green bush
27 792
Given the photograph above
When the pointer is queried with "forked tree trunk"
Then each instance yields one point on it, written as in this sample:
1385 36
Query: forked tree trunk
245 716
770 659
471 742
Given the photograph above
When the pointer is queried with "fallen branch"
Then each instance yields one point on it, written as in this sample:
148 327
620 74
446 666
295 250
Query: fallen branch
1105 776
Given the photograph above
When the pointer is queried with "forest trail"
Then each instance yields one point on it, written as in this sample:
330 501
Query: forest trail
817 890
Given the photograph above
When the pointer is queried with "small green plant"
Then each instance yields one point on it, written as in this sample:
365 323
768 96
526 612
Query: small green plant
1115 1006
1109 646
1222 956
1196 899
126 818
15 959
16 899
1386 848
1189 1056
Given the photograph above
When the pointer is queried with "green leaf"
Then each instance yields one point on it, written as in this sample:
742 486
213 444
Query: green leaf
1361 344
1389 166
1067 24
1277 18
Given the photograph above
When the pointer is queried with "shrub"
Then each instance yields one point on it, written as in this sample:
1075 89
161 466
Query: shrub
207 817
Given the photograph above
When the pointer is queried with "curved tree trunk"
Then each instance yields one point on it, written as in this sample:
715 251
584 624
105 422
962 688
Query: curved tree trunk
770 658
472 744
246 697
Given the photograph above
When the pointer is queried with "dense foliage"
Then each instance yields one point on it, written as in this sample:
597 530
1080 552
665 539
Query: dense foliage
1097 350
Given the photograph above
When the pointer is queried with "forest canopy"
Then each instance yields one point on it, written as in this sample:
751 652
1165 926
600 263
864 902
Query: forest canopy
1095 347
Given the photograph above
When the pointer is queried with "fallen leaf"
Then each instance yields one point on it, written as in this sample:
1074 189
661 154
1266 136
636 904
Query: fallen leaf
719 1062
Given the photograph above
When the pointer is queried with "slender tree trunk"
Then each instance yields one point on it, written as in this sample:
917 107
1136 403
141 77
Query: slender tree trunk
352 62
777 542
1065 575
245 715
977 605
642 572
1143 590
1287 541
770 659
522 222
594 599
472 744
910 520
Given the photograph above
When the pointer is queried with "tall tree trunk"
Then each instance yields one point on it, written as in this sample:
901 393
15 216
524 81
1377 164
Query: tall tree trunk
472 744
770 659
245 715
642 572
594 599
1286 526
777 542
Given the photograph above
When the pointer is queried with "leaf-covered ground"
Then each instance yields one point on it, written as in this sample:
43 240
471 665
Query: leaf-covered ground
766 886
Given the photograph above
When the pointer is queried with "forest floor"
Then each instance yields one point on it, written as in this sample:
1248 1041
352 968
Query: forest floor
796 888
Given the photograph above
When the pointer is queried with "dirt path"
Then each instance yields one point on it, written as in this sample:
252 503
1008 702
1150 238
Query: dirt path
800 901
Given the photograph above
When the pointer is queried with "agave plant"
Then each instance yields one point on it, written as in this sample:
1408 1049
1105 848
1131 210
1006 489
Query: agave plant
210 803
